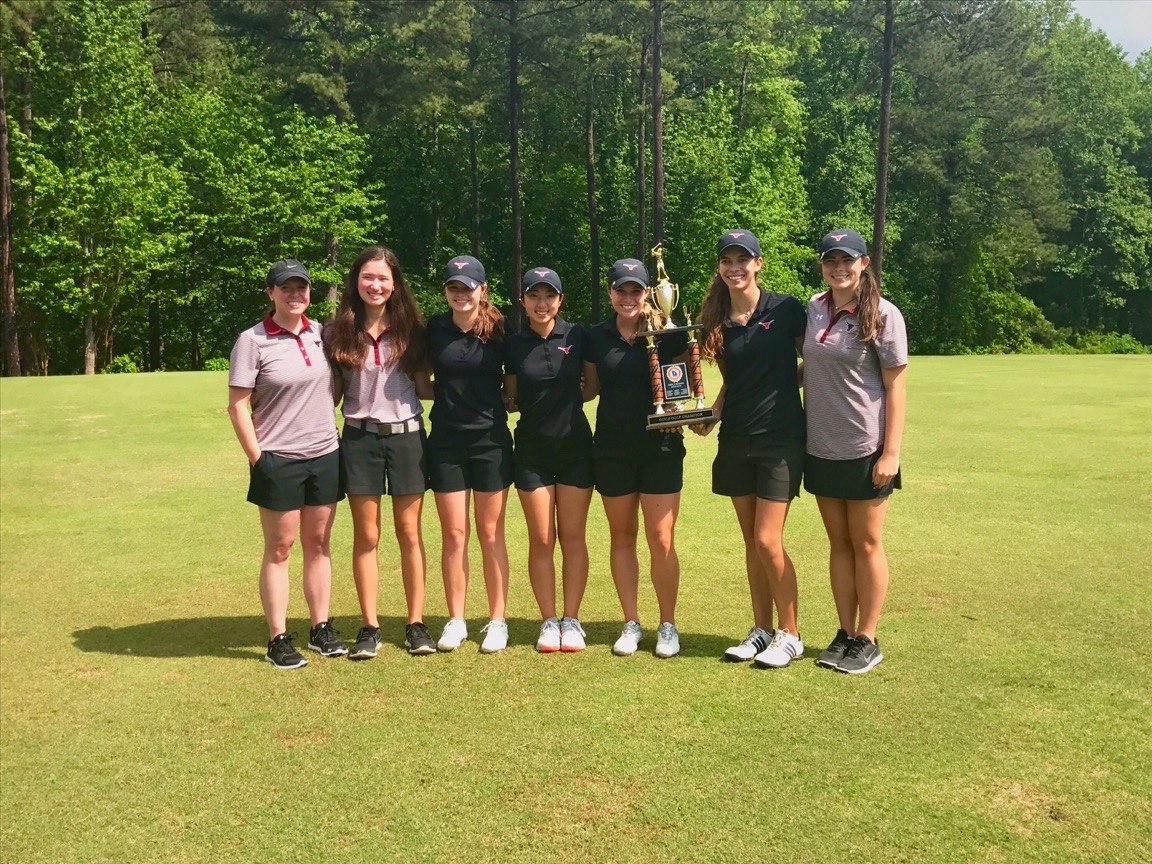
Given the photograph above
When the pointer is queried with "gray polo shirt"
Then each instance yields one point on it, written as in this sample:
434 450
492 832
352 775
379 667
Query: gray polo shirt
291 384
843 387
378 391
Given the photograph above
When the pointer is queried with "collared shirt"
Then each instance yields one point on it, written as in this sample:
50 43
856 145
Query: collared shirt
291 384
626 388
469 378
379 390
548 390
843 384
759 359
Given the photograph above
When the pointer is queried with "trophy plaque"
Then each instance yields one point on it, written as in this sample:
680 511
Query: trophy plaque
677 388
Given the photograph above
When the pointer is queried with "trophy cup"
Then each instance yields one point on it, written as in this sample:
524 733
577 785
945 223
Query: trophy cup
671 381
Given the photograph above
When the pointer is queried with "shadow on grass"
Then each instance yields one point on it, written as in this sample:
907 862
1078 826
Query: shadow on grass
241 637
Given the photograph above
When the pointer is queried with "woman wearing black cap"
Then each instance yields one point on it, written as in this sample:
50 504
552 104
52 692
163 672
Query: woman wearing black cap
376 341
553 457
470 449
280 403
855 354
754 335
636 470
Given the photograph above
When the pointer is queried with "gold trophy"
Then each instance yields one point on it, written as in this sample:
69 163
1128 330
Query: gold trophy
674 385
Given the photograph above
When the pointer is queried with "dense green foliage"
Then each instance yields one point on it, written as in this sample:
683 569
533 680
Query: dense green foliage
164 151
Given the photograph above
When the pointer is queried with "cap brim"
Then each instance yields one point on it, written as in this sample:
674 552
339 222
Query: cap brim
526 288
470 284
855 253
624 280
753 252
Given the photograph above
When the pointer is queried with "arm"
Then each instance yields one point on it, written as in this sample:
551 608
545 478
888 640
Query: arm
423 381
717 410
510 393
239 401
590 387
895 402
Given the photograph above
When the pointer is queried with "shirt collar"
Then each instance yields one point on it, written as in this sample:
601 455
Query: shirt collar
274 329
831 304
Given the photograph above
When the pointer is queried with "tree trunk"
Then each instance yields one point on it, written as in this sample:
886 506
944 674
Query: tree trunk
194 327
514 146
474 168
641 152
657 124
89 337
882 146
10 342
593 217
332 247
155 336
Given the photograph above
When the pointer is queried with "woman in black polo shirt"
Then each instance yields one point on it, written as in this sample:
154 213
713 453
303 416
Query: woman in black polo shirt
553 456
636 470
280 403
470 449
754 335
376 342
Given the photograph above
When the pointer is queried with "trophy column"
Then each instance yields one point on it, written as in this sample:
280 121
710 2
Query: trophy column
695 374
655 375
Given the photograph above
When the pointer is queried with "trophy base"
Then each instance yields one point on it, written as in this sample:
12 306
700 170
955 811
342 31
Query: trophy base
674 419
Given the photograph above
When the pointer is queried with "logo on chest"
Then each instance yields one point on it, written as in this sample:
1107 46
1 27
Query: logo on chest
767 324
565 348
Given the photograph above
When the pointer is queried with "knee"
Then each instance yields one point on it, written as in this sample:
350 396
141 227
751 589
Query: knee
770 548
366 540
490 540
279 550
541 541
625 536
572 541
454 538
661 542
868 545
408 534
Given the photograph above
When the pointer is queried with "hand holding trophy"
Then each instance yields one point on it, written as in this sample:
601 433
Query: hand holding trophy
671 381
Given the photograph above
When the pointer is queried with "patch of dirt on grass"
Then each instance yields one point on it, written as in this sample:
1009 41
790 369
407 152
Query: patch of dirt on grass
935 600
86 672
172 675
1025 807
316 736
584 805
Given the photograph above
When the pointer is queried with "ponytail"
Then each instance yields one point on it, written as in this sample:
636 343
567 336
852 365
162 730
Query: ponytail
868 306
489 322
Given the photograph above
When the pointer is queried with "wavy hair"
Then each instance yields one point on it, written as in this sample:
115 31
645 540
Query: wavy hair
713 312
868 305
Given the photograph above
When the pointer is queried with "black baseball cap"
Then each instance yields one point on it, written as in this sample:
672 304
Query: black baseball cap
465 269
843 240
741 237
541 276
627 270
287 269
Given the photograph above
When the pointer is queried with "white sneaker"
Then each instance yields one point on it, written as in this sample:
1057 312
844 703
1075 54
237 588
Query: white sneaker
455 632
496 638
782 650
667 640
549 641
571 635
756 641
629 639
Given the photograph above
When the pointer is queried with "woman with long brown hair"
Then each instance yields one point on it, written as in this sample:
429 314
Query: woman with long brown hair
855 356
753 335
375 342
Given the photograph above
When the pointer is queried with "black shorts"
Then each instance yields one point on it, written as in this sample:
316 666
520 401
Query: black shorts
850 479
647 470
759 465
276 482
481 461
373 464
568 467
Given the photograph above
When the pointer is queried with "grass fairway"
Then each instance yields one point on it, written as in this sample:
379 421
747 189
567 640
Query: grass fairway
1010 722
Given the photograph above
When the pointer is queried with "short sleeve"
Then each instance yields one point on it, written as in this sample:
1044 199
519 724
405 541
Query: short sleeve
244 362
892 340
797 318
587 345
512 356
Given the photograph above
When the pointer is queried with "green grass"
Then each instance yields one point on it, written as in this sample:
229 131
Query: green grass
1011 722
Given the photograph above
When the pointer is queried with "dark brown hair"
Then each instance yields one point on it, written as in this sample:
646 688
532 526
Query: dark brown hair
715 308
489 322
344 335
868 306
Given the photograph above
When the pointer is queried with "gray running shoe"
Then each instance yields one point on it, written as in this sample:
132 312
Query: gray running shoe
831 656
322 638
367 641
861 656
418 640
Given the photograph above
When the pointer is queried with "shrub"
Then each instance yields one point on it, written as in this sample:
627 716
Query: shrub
121 363
1108 343
216 364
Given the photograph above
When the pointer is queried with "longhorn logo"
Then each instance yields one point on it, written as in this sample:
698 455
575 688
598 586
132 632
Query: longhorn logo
736 235
766 324
630 266
838 237
459 265
565 348
540 273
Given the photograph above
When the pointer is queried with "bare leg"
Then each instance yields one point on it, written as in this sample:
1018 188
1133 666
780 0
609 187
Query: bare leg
841 560
866 526
489 509
540 514
452 508
758 585
279 528
365 543
623 527
770 516
660 513
572 521
406 511
315 540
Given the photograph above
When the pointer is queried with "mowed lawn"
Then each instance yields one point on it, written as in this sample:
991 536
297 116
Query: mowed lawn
1010 722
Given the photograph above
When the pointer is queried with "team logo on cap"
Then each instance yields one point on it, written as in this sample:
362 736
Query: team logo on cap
459 265
838 237
736 235
631 266
540 273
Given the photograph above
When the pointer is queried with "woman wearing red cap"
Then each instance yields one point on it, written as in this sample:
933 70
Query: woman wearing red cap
855 356
470 448
376 341
552 460
753 335
280 403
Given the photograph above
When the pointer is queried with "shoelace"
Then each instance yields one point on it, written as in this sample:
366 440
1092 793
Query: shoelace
572 624
494 622
551 625
855 648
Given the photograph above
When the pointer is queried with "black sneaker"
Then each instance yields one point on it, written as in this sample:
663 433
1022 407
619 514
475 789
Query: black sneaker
322 638
417 639
831 656
283 654
366 644
862 655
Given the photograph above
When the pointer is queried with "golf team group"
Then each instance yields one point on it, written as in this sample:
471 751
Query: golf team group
378 358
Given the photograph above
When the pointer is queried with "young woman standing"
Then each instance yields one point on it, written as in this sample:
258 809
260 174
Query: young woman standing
855 355
470 448
636 471
552 460
375 341
280 403
754 334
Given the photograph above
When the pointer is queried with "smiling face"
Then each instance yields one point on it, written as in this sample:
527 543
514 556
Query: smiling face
628 300
291 298
462 299
738 268
841 271
375 284
541 303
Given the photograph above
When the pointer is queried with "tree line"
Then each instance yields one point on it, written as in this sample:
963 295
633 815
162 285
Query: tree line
156 155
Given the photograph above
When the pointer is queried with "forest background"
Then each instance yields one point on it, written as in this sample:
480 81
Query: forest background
158 154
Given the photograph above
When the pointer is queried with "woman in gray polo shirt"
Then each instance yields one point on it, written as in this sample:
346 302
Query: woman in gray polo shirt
855 354
376 344
280 403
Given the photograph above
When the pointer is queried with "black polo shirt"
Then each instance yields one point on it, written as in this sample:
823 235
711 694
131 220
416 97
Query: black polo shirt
759 364
548 386
468 378
626 388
